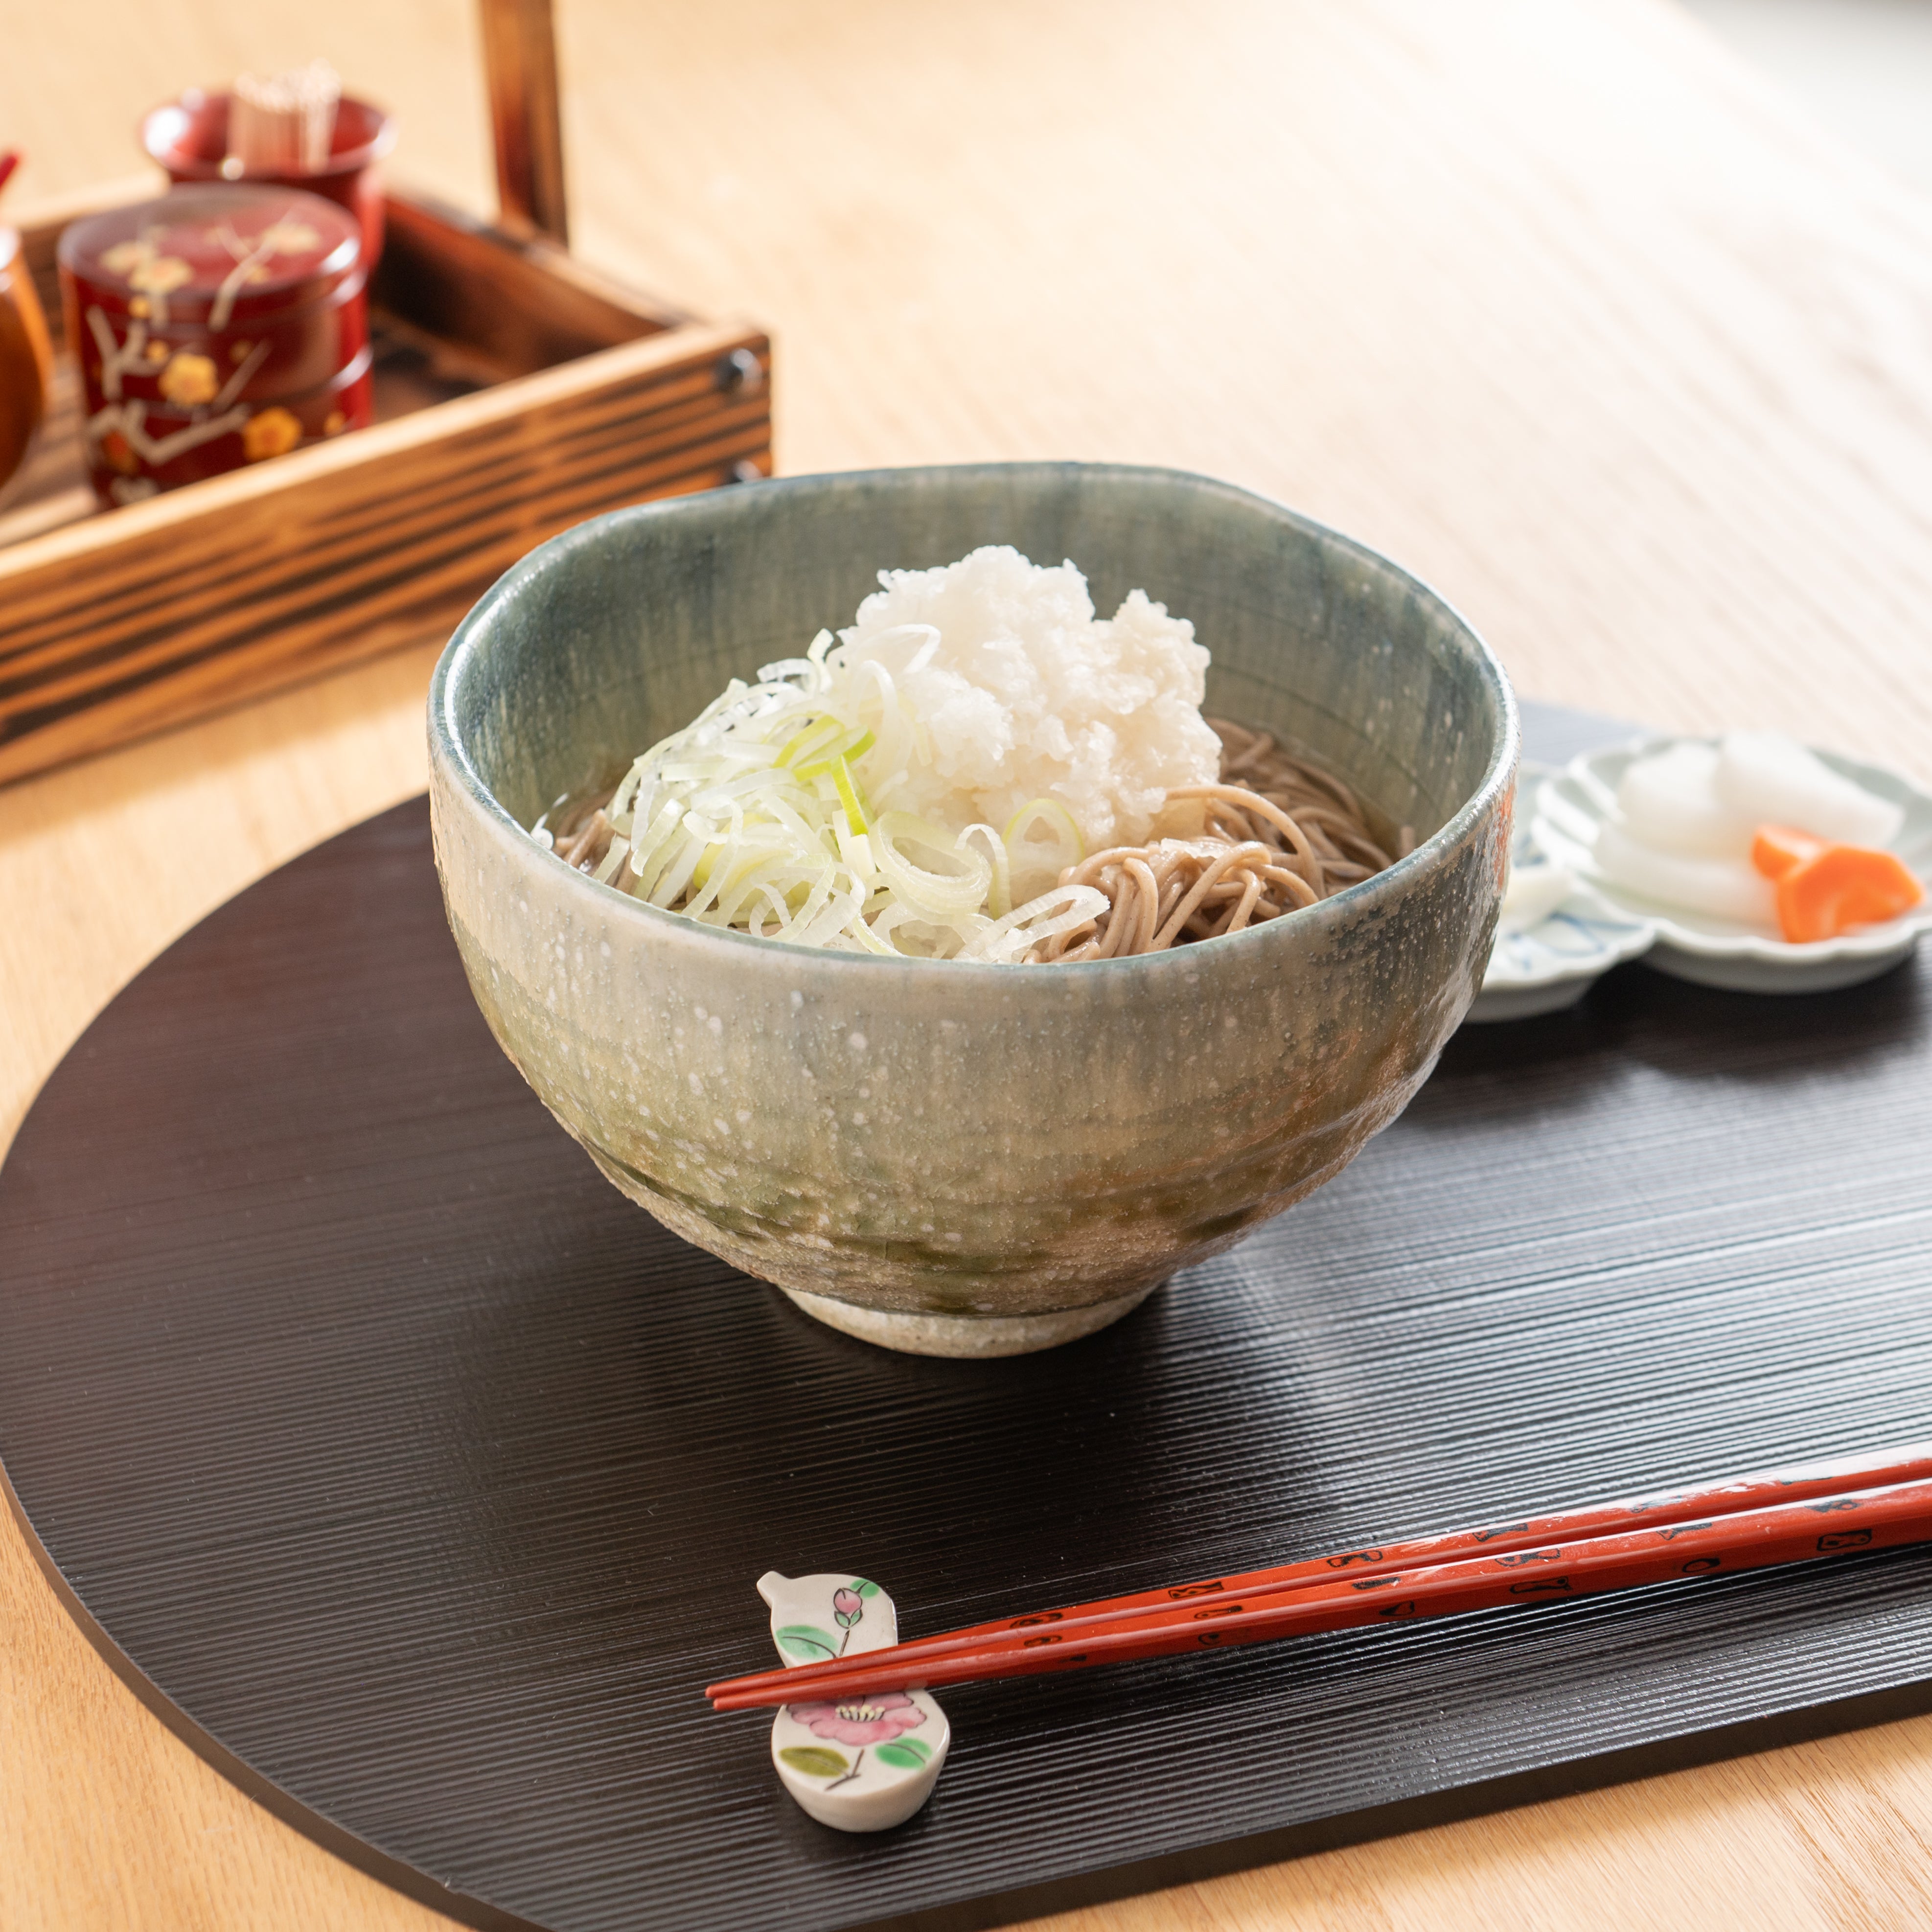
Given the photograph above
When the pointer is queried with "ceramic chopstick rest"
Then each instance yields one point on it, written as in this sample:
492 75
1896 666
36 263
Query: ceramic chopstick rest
867 1763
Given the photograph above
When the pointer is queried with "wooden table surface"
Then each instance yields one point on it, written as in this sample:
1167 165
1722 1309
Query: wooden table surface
1548 299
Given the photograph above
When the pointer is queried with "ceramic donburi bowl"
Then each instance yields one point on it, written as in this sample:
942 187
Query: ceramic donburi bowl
965 1160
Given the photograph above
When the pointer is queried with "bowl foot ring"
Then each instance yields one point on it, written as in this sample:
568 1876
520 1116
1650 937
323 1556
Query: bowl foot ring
966 1335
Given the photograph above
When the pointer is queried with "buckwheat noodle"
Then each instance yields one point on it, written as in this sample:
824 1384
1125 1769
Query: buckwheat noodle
1275 835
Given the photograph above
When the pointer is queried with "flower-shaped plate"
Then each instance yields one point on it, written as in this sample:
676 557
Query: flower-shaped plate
1544 967
1569 809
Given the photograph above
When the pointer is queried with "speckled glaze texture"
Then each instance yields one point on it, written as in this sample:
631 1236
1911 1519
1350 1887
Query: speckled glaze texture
970 1159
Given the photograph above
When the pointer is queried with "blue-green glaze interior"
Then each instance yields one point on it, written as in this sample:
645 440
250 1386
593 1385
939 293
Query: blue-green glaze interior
613 640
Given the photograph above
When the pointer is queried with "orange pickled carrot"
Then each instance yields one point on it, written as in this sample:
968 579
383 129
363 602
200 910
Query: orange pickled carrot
1824 889
1843 887
1779 849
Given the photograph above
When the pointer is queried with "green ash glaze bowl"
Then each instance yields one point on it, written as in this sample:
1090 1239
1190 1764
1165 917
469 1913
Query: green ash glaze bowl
966 1160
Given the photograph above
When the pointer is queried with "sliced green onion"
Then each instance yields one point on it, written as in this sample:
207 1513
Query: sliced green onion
773 812
859 745
848 795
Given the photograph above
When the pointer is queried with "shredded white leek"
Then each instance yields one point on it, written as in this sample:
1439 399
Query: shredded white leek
771 812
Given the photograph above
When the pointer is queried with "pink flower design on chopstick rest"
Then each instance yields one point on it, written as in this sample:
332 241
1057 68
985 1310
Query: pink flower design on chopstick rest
859 1763
875 1720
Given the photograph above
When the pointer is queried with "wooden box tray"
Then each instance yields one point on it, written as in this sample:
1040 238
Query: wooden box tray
420 1480
516 392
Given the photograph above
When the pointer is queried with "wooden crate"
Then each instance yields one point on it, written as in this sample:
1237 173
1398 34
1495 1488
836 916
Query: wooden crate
516 392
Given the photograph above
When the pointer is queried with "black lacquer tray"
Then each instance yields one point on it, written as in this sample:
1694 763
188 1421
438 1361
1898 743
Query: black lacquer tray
419 1480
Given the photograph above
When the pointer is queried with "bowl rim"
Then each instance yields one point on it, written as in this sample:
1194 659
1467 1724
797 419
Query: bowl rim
448 749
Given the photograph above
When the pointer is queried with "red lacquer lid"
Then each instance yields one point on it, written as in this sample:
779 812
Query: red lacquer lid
214 256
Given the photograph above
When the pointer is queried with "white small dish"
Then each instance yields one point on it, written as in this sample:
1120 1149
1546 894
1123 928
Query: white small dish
859 1764
1570 808
1546 966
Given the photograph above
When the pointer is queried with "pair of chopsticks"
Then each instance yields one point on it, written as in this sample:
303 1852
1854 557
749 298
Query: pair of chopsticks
1877 1501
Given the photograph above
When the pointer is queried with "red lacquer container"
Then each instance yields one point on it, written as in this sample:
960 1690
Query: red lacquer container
216 327
189 137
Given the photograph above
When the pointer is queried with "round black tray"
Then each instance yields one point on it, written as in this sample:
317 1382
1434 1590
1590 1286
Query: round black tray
420 1480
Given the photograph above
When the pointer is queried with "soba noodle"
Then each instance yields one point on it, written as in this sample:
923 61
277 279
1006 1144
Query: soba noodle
1274 834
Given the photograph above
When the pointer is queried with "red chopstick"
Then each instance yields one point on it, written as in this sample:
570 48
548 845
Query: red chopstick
1746 1539
9 162
1725 1496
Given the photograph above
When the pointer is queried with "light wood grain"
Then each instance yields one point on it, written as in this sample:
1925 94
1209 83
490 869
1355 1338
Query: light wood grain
1546 297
